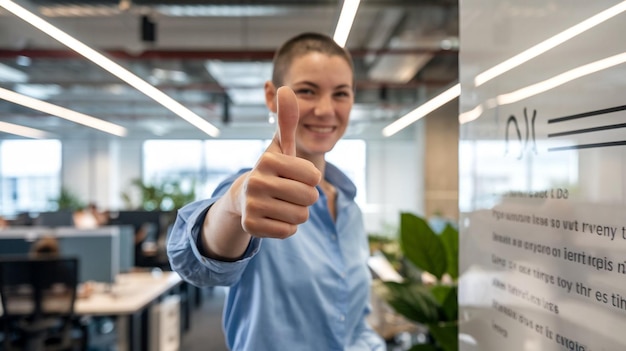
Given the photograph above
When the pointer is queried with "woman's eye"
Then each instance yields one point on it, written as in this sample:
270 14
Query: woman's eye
304 91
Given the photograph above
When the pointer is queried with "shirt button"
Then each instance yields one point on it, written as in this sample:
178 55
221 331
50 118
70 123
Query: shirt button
333 237
342 318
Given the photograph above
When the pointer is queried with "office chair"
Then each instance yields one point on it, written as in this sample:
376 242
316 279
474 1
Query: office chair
38 296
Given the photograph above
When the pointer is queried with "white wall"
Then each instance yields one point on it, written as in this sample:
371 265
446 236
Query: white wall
395 180
100 170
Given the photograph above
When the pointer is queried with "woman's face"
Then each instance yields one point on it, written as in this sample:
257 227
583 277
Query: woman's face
323 86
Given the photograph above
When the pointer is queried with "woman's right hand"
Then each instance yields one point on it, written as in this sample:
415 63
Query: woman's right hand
275 195
271 200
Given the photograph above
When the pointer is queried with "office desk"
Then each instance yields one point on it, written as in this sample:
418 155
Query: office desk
128 300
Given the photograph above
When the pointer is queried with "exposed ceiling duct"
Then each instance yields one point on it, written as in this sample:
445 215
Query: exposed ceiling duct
203 50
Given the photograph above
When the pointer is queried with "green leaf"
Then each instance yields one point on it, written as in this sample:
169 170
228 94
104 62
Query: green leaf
68 201
446 296
413 301
446 335
421 245
450 239
165 195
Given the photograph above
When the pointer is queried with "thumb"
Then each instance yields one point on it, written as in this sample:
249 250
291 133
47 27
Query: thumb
288 114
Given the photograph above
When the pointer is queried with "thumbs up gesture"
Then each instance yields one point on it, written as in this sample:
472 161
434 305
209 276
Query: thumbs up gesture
276 194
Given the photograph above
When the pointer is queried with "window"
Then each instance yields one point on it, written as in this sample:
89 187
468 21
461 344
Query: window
349 156
204 164
225 157
30 175
197 163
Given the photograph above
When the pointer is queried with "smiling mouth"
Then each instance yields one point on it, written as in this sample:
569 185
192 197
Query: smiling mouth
321 130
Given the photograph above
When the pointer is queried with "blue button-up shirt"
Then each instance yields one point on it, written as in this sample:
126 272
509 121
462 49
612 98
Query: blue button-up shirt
307 292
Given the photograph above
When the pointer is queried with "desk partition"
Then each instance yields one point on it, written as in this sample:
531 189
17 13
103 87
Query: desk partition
96 250
127 247
103 252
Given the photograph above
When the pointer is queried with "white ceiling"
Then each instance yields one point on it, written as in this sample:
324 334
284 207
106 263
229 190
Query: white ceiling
213 56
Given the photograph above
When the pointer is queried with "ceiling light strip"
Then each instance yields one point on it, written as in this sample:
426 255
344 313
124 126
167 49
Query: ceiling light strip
62 112
346 18
422 110
561 79
10 74
22 131
549 44
112 67
543 86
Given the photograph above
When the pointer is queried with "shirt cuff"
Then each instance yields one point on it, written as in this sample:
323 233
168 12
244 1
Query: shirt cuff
215 265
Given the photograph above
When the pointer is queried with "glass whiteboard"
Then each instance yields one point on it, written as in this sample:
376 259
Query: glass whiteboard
542 175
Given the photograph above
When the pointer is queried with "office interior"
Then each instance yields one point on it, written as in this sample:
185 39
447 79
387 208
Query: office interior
212 57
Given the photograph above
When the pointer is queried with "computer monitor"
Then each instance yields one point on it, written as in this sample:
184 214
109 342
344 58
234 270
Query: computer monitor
55 219
149 229
134 218
14 246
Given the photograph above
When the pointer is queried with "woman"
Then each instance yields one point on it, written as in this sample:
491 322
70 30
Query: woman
288 242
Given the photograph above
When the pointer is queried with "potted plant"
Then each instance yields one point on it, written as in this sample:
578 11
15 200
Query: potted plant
166 196
67 201
431 299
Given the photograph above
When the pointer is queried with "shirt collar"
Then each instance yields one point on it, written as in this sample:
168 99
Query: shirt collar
340 180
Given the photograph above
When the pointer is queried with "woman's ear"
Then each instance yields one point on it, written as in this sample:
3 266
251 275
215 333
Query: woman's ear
270 96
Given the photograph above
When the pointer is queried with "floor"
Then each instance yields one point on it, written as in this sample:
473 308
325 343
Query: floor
205 332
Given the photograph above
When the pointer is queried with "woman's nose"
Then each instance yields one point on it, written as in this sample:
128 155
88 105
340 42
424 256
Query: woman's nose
324 106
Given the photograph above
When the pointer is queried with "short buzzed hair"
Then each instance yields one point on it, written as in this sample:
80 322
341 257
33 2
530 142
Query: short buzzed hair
301 45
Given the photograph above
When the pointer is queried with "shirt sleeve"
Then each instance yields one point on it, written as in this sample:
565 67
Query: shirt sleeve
185 257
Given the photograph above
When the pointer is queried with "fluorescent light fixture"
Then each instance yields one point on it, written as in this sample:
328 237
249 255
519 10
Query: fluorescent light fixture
560 79
471 115
220 10
422 110
548 44
399 68
112 67
243 81
169 75
346 18
23 131
38 91
62 112
477 111
12 75
543 86
23 61
80 11
247 96
240 74
166 10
